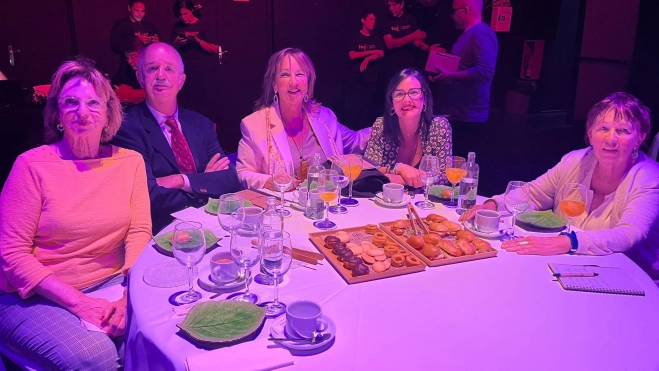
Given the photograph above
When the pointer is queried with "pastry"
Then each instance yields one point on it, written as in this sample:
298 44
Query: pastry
431 251
343 236
391 243
350 264
330 241
450 248
380 258
359 270
416 242
368 246
397 260
368 259
434 218
481 245
387 263
390 250
345 255
403 252
338 247
371 229
356 249
466 235
379 239
375 252
465 246
412 261
439 228
379 267
453 227
432 238
399 227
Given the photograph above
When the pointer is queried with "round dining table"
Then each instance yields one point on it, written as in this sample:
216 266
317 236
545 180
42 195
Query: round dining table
501 313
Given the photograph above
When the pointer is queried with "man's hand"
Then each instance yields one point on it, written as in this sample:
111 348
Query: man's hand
362 67
436 48
180 41
379 53
171 181
216 164
444 75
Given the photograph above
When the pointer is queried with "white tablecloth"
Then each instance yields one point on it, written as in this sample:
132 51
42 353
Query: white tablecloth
503 313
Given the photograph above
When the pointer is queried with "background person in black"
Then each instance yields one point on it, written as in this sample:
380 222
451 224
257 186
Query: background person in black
403 39
361 87
193 37
124 33
132 56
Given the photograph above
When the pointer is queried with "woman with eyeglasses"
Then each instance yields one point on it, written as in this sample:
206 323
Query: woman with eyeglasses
407 131
74 217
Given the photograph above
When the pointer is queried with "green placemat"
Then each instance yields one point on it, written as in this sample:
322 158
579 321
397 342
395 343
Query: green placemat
437 190
214 203
222 321
542 219
164 243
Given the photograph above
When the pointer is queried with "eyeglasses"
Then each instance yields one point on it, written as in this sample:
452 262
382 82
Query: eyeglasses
73 104
414 93
456 9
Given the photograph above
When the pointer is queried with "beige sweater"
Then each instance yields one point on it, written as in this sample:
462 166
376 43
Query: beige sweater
82 221
628 219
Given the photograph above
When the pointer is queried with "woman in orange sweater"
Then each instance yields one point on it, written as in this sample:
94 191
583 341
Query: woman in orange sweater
74 217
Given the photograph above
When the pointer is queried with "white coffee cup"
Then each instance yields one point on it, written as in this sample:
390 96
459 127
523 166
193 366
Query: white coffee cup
393 193
487 221
302 194
252 214
223 268
304 318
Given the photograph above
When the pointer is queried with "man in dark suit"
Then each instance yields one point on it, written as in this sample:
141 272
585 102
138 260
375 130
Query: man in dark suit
184 161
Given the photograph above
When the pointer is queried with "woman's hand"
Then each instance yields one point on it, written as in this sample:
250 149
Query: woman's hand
538 245
114 318
91 309
364 65
410 175
393 178
269 184
471 213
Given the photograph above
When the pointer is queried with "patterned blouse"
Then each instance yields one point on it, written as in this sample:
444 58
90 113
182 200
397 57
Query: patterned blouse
440 143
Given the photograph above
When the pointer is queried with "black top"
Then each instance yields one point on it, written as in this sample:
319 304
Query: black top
404 56
204 31
122 38
362 43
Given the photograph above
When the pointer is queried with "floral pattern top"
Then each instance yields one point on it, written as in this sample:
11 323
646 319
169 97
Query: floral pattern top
440 143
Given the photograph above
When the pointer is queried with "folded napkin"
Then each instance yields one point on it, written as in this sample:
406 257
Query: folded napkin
249 356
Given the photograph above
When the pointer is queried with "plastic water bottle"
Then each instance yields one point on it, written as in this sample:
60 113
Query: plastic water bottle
271 219
315 207
469 185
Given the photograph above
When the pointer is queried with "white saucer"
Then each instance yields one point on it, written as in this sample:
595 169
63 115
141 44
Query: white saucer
206 283
296 206
491 235
378 200
278 330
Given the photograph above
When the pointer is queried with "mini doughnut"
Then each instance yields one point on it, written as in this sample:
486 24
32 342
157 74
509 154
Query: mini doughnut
466 235
368 259
465 246
453 227
390 250
412 261
379 267
380 258
356 249
371 229
375 252
391 243
359 270
403 252
343 236
397 260
379 239
330 241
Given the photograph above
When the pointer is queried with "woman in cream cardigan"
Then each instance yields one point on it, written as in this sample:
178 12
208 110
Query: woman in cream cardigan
622 213
289 124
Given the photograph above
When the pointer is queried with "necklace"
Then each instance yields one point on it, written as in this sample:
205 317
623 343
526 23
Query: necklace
304 165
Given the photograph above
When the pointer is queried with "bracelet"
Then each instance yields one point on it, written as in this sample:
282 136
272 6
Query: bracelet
395 170
496 204
574 242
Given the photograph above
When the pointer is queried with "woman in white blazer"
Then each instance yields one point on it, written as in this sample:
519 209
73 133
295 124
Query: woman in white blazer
290 125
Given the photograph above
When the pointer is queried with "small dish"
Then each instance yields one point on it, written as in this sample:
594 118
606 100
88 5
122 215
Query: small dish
164 245
381 202
278 330
489 235
296 206
206 283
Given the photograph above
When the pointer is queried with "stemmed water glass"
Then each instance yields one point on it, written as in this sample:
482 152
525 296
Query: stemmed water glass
516 200
573 198
227 212
428 171
246 252
276 260
282 177
342 181
189 247
352 166
327 192
454 173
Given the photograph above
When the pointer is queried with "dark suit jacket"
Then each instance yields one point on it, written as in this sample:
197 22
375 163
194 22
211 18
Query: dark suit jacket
140 132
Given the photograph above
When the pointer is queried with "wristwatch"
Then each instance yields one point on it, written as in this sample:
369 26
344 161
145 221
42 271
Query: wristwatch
574 243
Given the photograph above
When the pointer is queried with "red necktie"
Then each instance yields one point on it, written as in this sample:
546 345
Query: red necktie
180 148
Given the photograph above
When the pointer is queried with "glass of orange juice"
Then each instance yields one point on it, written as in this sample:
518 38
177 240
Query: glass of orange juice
454 174
352 166
573 198
327 191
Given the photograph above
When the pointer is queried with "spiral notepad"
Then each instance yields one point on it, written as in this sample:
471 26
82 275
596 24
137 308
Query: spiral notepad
609 280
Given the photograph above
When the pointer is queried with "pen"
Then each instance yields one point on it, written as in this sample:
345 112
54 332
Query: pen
569 275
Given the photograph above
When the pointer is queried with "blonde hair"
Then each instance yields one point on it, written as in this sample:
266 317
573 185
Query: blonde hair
84 69
268 93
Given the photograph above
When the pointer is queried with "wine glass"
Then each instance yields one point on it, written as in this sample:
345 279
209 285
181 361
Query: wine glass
189 247
454 173
276 260
573 198
246 252
352 166
227 212
282 177
327 192
516 201
342 181
428 171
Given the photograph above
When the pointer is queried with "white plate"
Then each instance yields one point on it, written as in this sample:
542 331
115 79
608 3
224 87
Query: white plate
492 235
278 330
378 200
296 206
206 283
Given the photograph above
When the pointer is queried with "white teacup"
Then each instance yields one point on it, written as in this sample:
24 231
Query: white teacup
252 214
487 221
223 268
393 193
302 195
303 319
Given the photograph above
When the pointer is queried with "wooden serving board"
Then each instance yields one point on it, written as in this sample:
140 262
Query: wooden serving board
358 235
448 259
